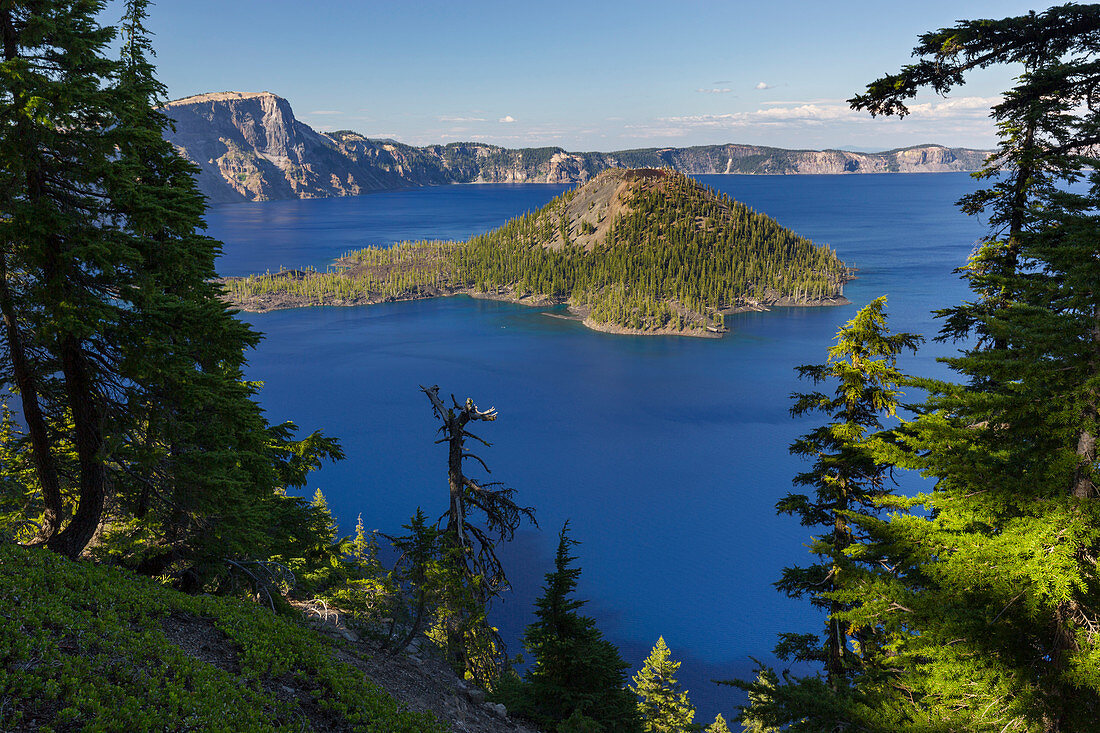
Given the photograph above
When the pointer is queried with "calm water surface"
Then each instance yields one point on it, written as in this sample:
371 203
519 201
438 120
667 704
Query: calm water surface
667 454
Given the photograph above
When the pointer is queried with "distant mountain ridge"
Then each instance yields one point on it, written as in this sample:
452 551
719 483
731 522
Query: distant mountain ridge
250 147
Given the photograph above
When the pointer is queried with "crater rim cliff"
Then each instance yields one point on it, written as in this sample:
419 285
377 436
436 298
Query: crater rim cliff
249 146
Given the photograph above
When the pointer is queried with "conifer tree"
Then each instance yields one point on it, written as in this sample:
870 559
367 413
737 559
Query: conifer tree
759 708
57 140
362 588
662 706
364 550
1002 599
575 671
719 725
472 646
996 604
196 442
419 581
849 481
146 441
846 476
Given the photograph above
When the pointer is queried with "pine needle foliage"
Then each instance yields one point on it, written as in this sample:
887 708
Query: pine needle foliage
662 705
575 672
994 605
849 481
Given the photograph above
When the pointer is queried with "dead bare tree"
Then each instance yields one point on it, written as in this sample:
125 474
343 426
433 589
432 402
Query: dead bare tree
480 517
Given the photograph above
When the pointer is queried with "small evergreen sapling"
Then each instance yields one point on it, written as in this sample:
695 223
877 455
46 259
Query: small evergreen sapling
663 707
578 678
718 726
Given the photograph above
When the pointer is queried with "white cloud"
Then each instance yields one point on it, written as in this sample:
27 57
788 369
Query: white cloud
763 85
524 135
768 115
653 132
507 118
959 110
723 90
808 101
961 106
451 118
326 112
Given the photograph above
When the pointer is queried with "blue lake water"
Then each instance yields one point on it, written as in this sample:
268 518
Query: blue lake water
667 454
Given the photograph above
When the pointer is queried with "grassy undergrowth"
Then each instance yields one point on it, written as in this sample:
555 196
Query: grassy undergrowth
84 648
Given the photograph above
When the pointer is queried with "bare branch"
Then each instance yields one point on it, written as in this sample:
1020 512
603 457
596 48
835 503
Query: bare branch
476 458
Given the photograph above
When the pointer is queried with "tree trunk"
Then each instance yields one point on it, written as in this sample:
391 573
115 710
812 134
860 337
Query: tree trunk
88 432
1083 485
456 643
457 484
1016 223
44 465
838 630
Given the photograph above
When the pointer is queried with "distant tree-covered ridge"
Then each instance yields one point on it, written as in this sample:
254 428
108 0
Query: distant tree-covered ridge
642 251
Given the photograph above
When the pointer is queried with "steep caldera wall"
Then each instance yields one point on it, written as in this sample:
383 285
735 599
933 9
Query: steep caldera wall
250 147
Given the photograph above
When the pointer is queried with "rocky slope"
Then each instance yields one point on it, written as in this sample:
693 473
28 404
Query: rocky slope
250 147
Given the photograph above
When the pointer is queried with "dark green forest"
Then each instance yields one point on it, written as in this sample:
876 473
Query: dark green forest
144 494
677 257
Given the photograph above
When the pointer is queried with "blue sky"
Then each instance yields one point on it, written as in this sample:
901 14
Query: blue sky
581 75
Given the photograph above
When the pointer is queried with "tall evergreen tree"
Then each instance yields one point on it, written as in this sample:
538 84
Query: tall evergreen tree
145 438
849 481
57 296
575 671
845 475
997 604
199 471
662 705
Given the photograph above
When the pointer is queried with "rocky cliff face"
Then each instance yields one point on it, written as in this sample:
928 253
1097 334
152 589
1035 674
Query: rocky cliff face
250 147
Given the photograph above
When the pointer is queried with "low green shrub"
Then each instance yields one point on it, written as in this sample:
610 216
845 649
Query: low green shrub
84 648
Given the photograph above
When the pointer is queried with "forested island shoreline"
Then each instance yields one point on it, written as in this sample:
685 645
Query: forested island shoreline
267 303
646 252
